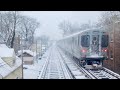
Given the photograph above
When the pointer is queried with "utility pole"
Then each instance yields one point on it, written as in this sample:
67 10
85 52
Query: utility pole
36 51
22 56
41 48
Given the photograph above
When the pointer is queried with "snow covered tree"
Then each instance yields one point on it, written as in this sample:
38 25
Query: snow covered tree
8 23
27 29
66 26
108 19
69 28
44 39
13 24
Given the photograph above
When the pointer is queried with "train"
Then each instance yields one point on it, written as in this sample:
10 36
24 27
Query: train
89 47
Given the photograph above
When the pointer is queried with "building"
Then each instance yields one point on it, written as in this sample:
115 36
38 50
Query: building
10 64
28 56
113 63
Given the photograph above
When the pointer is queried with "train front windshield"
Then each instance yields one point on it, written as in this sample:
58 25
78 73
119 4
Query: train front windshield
104 41
85 40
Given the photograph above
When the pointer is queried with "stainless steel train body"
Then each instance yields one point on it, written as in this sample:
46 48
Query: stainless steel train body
90 47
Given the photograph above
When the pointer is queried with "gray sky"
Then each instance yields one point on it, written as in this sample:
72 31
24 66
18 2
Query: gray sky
49 20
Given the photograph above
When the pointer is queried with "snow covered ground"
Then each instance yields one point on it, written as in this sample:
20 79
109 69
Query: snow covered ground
32 71
35 71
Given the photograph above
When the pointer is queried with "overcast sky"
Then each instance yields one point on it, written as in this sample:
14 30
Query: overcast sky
49 20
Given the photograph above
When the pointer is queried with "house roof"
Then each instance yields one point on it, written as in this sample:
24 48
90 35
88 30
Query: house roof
3 46
5 69
27 51
5 51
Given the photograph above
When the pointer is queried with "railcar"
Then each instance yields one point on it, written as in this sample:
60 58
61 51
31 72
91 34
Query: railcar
89 47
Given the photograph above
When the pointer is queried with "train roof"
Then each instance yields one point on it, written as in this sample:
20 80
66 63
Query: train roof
82 32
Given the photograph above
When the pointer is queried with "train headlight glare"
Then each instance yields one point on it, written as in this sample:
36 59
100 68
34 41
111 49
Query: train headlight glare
105 50
83 51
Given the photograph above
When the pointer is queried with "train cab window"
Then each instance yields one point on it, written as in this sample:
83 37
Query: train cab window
104 41
85 40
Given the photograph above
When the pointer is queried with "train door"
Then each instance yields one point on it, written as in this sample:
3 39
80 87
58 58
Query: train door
76 48
72 48
95 44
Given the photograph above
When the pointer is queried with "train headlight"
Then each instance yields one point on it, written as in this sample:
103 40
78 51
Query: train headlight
104 50
83 50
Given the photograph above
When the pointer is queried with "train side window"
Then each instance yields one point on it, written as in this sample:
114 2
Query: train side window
85 40
75 39
104 41
79 38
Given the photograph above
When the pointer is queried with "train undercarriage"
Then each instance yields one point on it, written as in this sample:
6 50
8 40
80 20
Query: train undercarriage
91 63
87 62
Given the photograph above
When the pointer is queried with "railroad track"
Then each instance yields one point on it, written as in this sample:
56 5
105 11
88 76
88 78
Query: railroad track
60 66
103 73
44 69
73 69
54 68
